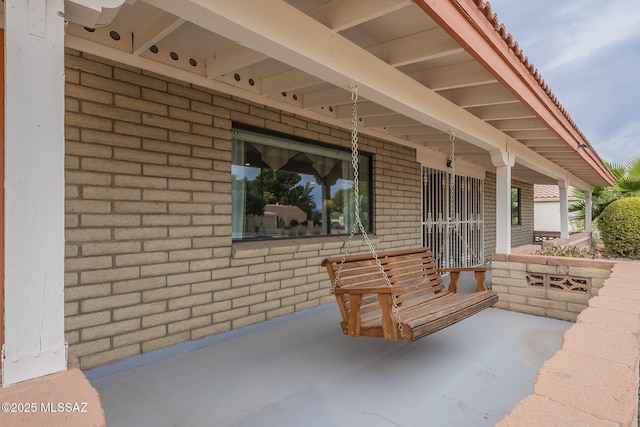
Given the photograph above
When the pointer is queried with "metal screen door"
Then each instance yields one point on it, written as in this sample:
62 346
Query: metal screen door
454 234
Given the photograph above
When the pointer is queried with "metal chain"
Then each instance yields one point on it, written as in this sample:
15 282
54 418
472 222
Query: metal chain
358 222
452 190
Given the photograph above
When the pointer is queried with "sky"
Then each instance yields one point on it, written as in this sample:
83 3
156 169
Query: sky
588 52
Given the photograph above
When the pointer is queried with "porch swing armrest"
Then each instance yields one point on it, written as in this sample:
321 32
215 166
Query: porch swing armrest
354 319
479 271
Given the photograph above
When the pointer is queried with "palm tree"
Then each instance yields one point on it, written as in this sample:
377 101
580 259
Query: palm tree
627 185
627 178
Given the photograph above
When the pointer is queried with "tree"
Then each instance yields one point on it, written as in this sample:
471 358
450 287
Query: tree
338 200
627 185
281 187
627 178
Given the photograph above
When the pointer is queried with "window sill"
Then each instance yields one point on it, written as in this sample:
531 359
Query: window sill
290 246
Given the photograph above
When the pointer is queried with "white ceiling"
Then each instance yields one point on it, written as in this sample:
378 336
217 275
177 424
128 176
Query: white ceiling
389 45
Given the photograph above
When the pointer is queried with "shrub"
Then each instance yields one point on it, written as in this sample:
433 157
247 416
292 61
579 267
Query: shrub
619 225
569 251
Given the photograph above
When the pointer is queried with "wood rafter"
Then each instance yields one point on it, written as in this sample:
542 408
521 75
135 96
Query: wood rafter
340 15
288 81
490 94
454 76
155 29
231 60
430 44
501 112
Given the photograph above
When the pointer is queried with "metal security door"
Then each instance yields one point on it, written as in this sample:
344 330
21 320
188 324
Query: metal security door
454 232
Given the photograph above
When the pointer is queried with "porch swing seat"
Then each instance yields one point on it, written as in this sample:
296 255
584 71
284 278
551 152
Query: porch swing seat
423 305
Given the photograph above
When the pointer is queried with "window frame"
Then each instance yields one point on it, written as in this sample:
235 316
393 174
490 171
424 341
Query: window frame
313 147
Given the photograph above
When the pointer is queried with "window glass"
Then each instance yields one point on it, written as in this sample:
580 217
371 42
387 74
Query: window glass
515 206
283 187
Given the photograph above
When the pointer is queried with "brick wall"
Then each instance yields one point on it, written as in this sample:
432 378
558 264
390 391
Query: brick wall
149 259
600 352
509 280
522 234
489 215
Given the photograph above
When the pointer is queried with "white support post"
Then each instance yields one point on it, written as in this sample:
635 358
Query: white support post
503 161
588 206
34 190
563 185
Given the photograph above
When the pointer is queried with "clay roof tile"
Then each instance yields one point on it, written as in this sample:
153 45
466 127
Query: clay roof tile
492 17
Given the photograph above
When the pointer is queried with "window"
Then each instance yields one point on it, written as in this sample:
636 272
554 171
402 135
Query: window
284 187
453 224
515 206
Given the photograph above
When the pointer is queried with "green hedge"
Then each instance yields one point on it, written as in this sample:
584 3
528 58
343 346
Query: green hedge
619 226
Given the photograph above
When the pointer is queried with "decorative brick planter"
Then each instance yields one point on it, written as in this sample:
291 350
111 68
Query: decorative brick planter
593 379
548 286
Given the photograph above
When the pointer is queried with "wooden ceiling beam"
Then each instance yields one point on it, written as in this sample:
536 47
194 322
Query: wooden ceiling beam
289 80
390 121
155 29
502 112
454 76
430 44
231 60
365 109
475 96
341 15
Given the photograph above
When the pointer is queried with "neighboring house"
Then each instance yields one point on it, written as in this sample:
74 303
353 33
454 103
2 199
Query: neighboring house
275 220
125 211
546 209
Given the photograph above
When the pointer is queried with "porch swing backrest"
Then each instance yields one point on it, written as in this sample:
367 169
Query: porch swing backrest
365 302
396 295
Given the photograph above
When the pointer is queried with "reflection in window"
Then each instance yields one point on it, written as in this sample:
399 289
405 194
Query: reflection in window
515 206
288 188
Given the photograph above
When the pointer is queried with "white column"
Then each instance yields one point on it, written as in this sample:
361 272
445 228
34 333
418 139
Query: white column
588 206
563 185
503 161
34 190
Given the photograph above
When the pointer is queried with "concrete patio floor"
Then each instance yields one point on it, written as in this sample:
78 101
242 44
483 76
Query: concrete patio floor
301 371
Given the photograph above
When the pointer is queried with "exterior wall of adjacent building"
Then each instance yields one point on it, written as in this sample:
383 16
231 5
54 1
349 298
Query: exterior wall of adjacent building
547 216
149 256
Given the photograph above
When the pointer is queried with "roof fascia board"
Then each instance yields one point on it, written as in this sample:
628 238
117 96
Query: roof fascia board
467 24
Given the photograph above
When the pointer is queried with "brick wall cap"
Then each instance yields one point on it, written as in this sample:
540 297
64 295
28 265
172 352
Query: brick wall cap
580 262
614 345
590 384
528 258
500 257
536 410
616 320
615 304
620 292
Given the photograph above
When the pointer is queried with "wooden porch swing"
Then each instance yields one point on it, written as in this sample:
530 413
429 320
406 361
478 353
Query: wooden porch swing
397 295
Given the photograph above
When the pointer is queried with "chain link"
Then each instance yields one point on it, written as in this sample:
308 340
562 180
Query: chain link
358 222
452 191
